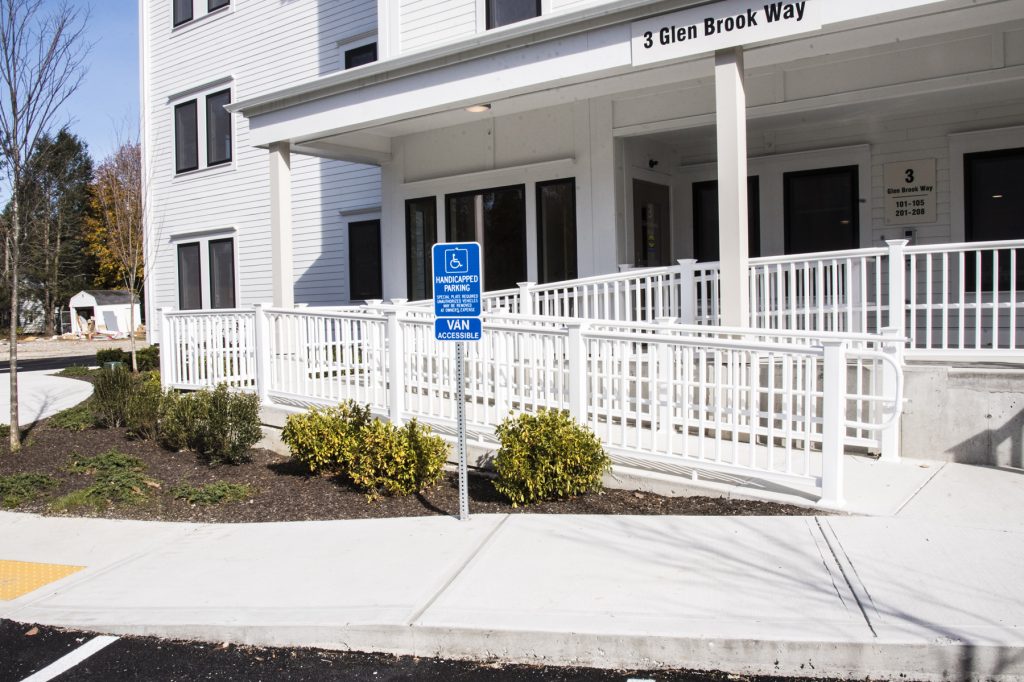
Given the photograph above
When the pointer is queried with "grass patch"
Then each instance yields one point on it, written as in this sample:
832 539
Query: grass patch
120 479
212 493
77 418
76 372
17 489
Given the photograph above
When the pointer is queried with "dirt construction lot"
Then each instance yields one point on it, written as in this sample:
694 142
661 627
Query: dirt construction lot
34 347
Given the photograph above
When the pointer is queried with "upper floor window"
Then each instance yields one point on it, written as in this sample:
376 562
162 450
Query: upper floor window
505 12
357 50
214 132
184 10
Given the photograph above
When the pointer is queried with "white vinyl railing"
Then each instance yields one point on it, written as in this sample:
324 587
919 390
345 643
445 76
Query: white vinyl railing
778 406
948 299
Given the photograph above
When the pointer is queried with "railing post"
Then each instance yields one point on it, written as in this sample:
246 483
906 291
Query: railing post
527 306
897 286
893 346
261 343
664 396
833 423
167 354
688 290
576 349
396 362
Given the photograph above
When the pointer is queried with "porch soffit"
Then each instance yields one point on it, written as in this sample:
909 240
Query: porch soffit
382 97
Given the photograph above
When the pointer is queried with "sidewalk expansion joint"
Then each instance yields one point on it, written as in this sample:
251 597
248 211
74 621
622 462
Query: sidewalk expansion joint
457 572
842 570
940 469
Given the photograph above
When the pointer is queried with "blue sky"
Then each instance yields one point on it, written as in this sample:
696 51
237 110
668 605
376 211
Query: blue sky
108 99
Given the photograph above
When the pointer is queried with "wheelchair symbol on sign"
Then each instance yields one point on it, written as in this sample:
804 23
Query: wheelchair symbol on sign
456 261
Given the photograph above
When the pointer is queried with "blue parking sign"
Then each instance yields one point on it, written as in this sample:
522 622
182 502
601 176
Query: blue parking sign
457 286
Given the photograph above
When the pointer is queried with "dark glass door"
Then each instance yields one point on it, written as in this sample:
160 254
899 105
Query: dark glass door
651 229
497 219
556 230
420 236
705 220
365 281
821 210
994 210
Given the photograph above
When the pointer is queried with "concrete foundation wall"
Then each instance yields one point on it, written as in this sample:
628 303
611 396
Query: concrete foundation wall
966 415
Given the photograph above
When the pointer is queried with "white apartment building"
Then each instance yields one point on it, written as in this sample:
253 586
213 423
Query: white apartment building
824 166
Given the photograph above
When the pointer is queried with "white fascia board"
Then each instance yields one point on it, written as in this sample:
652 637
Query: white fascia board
542 65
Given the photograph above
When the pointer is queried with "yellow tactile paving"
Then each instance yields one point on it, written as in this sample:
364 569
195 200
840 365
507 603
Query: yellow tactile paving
21 577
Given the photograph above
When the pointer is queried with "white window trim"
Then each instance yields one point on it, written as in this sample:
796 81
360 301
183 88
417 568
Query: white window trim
546 9
961 144
199 95
203 238
200 18
360 40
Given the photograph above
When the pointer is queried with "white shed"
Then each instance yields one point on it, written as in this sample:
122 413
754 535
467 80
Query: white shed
112 311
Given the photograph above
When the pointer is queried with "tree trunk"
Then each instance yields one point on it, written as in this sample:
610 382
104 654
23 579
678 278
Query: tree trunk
13 331
131 330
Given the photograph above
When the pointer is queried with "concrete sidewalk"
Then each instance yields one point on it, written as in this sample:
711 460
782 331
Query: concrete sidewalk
921 594
41 395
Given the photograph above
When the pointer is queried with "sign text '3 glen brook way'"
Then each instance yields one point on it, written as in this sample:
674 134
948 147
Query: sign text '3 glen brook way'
718 26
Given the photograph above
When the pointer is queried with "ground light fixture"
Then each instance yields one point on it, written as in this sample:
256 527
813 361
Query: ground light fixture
478 108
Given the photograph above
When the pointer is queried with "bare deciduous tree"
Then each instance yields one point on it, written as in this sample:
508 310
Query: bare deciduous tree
41 64
118 190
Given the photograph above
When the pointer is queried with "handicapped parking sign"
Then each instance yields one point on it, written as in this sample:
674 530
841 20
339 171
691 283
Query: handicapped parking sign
457 286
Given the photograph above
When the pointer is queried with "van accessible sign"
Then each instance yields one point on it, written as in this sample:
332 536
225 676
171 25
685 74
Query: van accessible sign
720 25
457 291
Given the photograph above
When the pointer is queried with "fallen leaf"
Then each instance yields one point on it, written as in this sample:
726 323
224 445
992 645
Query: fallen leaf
32 633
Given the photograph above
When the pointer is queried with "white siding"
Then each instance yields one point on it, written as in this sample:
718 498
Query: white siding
256 46
425 23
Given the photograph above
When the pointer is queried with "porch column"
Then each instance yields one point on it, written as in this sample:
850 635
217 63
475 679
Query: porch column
731 124
281 224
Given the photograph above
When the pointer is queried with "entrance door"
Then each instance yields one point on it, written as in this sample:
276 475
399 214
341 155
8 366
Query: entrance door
651 229
822 210
364 260
497 219
994 204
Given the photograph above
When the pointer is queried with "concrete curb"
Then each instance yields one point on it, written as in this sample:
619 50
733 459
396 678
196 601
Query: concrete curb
938 661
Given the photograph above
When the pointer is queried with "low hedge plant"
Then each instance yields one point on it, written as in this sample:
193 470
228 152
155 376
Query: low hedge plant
547 456
324 439
219 425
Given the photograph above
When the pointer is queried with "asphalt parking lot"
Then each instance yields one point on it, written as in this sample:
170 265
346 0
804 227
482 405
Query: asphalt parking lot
40 653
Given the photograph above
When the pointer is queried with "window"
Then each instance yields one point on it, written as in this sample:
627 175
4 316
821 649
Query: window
420 237
505 12
190 287
705 220
182 11
218 128
213 5
993 206
186 137
363 54
652 231
821 210
206 273
212 132
497 219
222 273
365 276
556 230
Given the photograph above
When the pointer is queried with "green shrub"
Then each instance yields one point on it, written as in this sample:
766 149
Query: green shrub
148 358
142 412
547 456
180 415
120 479
17 489
324 439
5 432
430 452
383 462
77 418
112 392
112 355
220 426
212 493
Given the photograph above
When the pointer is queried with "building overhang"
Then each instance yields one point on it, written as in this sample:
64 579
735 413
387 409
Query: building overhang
352 115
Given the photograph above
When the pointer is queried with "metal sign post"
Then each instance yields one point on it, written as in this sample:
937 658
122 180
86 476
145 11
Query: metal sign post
457 284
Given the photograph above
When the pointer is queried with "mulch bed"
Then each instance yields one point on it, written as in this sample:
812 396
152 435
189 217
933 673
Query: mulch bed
284 491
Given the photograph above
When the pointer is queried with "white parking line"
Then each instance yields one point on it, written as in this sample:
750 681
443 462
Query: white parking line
70 660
